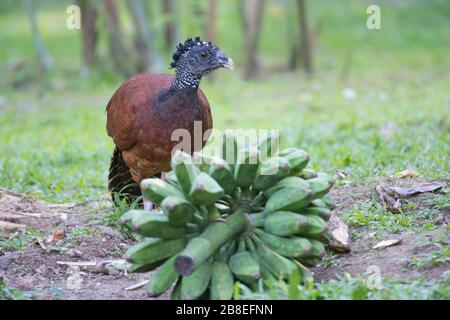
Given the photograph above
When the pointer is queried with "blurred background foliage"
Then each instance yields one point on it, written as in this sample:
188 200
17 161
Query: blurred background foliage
370 102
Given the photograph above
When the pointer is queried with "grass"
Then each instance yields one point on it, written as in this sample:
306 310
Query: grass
54 145
21 240
372 216
432 259
346 287
8 293
80 232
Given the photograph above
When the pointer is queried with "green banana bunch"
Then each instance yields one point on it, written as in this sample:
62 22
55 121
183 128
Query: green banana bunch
225 222
246 167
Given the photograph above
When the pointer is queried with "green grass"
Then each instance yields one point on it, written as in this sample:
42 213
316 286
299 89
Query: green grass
346 287
52 132
21 240
372 216
435 258
8 293
82 231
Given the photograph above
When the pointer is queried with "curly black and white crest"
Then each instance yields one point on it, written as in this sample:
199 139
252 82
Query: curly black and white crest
182 48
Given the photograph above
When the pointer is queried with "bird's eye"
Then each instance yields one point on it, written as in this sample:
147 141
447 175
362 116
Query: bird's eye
204 54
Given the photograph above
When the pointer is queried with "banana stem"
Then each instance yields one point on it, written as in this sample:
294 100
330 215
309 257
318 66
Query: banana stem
201 248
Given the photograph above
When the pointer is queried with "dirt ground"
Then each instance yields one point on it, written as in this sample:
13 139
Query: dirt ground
69 234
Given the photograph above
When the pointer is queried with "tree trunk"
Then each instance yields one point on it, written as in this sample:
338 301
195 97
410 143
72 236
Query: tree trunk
118 52
44 60
305 45
171 28
144 36
88 32
211 30
291 34
253 10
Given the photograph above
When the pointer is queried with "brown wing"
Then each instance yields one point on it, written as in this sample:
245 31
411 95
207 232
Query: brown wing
141 127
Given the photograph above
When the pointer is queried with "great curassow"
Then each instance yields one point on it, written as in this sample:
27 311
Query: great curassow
147 108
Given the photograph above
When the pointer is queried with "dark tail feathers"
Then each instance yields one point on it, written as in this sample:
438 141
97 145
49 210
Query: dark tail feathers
120 180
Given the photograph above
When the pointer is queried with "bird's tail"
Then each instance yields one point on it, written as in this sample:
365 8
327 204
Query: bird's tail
121 183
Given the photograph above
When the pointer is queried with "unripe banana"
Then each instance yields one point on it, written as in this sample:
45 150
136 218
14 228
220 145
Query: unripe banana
178 211
316 227
127 218
320 185
135 267
294 247
205 190
246 167
329 201
221 287
298 160
171 178
270 172
285 152
317 250
185 170
202 161
158 226
276 264
322 212
156 190
153 249
316 254
244 266
162 279
220 171
285 223
195 284
289 199
307 174
288 182
176 292
269 146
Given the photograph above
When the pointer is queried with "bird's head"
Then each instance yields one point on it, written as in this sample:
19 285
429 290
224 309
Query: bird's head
197 58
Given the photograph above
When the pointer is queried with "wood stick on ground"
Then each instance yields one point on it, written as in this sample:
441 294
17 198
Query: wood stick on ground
77 263
9 226
136 286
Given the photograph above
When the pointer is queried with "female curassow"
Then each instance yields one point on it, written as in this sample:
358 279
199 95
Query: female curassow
146 109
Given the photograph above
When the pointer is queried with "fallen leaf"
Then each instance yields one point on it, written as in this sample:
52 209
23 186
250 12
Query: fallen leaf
387 243
339 241
58 235
419 188
408 173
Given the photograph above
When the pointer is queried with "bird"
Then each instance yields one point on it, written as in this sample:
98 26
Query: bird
145 111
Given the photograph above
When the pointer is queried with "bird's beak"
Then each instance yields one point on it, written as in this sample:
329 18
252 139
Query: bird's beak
229 64
225 61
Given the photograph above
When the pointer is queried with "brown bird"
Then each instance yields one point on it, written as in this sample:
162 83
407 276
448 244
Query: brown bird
147 108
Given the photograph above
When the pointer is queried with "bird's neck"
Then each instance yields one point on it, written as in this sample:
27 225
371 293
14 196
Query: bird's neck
184 80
